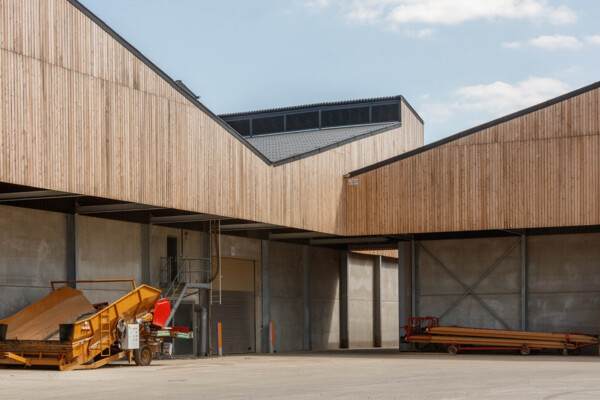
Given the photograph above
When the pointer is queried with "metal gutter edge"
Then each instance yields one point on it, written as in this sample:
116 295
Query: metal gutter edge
166 77
476 129
336 144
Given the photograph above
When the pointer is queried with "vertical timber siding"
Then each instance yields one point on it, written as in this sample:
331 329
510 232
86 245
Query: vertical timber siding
79 113
540 169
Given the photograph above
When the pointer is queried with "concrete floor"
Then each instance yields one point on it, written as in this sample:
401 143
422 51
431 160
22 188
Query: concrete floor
341 374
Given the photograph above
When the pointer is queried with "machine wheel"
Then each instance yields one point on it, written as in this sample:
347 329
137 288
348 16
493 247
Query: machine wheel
143 355
452 349
525 350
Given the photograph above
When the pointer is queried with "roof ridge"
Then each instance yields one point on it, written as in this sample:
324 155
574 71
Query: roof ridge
477 128
188 95
311 105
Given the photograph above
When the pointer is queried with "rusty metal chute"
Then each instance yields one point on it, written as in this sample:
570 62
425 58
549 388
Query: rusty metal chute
64 329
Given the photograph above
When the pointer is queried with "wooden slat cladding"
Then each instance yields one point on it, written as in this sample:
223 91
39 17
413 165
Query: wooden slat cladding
82 114
541 169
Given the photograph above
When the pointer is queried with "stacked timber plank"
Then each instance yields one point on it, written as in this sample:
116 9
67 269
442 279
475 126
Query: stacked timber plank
461 338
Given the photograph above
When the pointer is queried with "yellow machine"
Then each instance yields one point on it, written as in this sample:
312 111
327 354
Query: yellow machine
65 330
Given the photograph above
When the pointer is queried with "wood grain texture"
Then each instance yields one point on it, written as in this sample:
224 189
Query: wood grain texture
541 169
81 114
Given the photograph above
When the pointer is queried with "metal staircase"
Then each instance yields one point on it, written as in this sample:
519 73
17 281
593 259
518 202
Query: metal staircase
175 276
178 276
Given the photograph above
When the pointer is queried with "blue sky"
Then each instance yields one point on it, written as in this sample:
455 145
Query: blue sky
459 63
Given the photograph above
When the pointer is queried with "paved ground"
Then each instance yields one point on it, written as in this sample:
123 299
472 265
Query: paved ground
343 375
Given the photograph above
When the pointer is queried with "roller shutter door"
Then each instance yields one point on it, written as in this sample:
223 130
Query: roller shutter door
236 311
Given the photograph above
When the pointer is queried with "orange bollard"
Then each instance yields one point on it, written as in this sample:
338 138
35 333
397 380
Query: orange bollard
220 340
272 340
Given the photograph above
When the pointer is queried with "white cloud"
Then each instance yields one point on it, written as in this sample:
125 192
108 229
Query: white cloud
549 42
555 42
420 33
459 11
495 99
317 3
446 12
503 97
512 45
593 39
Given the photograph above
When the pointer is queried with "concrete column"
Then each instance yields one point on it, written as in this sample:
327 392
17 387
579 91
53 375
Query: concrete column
265 294
72 249
306 297
414 277
403 252
344 336
203 327
146 257
524 283
377 302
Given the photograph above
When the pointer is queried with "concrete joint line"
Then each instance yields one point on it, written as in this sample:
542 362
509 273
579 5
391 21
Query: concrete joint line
469 290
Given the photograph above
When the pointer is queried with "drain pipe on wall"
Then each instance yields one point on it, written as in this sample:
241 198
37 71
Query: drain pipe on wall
214 237
217 236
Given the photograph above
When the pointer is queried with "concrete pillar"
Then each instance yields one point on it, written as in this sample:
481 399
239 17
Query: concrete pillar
306 297
414 278
344 336
377 302
72 249
265 294
524 283
146 257
403 252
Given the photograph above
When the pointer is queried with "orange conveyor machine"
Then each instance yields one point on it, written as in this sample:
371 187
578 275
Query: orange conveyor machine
65 330
456 338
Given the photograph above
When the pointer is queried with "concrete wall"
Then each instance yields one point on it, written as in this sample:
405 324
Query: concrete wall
191 244
564 282
469 259
360 300
389 303
324 298
287 292
108 249
33 252
287 287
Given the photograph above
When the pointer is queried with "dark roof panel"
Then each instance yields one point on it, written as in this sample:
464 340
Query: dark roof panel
289 146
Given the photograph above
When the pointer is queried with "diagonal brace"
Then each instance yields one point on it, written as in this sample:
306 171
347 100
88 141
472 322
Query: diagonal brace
490 269
467 289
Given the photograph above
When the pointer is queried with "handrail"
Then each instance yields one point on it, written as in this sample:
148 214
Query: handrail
132 281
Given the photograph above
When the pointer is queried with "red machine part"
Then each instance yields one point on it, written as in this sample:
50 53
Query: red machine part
162 310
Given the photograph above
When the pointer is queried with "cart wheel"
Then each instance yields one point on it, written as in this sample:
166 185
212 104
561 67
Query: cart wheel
452 349
525 350
576 351
143 355
565 352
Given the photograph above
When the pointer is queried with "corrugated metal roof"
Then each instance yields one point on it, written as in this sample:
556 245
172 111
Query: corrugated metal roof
287 145
326 104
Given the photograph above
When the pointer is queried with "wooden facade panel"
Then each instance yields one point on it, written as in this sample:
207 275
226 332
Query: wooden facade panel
80 113
538 170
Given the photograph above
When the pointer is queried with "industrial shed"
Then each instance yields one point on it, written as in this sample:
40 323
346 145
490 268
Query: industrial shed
111 169
501 221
